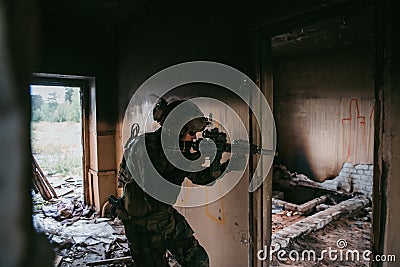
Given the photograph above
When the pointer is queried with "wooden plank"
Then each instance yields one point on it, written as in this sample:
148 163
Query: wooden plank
38 182
56 181
42 190
54 194
108 261
64 191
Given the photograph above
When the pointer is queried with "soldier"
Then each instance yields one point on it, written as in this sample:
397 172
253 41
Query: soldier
151 225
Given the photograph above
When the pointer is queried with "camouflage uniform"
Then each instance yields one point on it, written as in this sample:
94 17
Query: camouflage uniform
152 226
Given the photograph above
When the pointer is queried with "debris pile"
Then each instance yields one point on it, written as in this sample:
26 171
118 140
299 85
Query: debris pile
66 185
67 210
295 197
80 237
284 219
354 230
352 179
283 176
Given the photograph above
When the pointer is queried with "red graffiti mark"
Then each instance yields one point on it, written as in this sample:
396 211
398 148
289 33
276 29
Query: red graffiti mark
360 121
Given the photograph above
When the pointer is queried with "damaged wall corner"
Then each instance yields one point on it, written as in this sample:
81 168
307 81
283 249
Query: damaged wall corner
387 144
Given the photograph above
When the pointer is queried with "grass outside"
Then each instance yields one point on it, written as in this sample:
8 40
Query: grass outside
57 147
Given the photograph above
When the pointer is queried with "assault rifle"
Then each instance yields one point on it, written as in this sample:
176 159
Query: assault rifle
215 141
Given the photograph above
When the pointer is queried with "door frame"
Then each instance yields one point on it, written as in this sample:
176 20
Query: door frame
262 69
88 100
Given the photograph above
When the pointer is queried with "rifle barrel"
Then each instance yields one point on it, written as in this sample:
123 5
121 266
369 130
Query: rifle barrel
240 146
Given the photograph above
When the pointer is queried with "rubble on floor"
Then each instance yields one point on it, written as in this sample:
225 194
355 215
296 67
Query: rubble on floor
79 235
284 219
293 201
66 185
353 230
67 210
282 238
352 179
316 206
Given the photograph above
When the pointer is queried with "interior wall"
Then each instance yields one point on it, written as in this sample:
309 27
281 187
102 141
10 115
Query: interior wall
221 227
324 109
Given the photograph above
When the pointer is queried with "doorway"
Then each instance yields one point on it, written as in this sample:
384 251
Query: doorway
57 136
65 101
321 67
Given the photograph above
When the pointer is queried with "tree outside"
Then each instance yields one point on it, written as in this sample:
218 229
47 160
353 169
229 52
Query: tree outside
56 129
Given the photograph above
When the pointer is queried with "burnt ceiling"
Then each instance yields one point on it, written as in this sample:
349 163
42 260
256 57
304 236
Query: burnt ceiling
89 12
325 34
116 12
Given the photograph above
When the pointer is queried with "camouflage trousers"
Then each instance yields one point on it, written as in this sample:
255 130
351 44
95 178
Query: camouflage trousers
150 237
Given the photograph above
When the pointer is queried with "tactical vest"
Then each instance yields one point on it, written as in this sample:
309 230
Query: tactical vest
135 200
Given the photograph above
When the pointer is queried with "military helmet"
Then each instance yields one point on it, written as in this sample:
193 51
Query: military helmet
198 124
